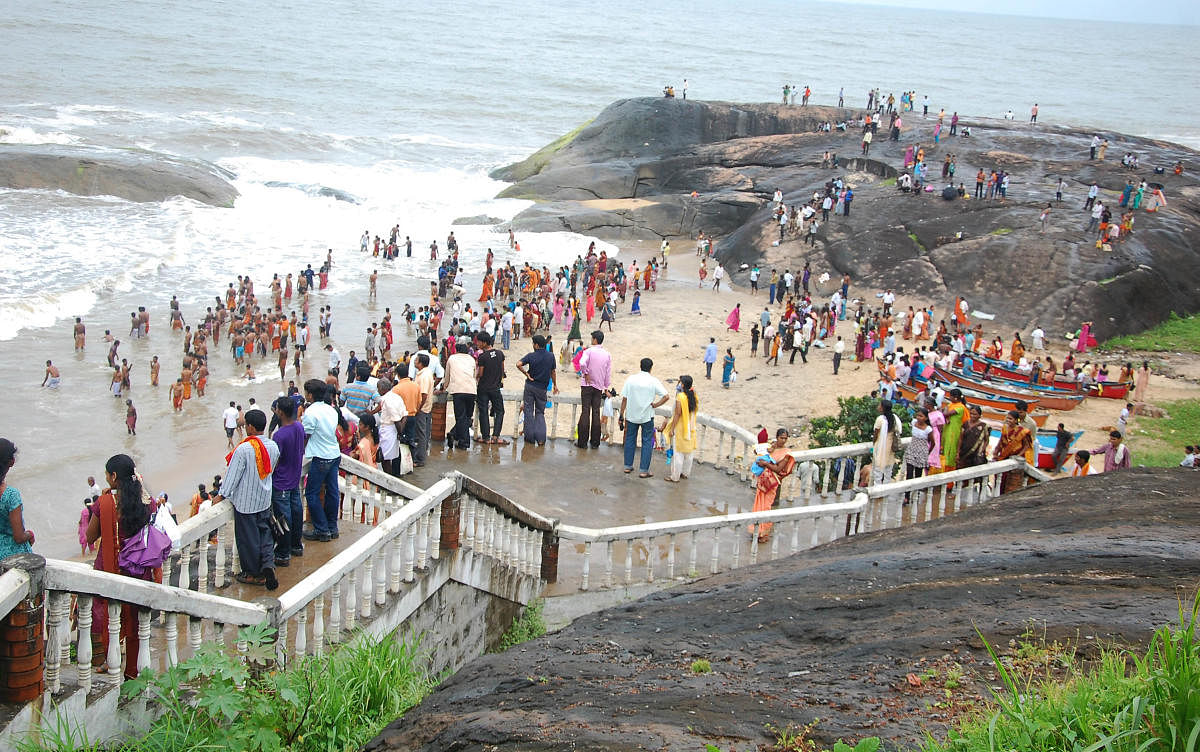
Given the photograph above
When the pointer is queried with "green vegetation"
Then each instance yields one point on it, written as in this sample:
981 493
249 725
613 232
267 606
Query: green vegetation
528 626
917 242
1123 701
854 422
216 701
1001 231
701 666
534 163
1173 335
1159 442
888 182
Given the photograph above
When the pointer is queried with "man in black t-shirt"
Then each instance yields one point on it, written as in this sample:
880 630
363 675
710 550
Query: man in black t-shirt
489 378
538 369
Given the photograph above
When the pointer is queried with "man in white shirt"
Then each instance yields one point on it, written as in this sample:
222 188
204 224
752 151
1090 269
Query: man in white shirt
437 372
640 394
788 280
889 298
1039 338
229 419
506 325
718 275
335 359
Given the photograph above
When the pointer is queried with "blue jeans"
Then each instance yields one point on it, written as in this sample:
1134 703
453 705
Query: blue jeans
631 437
324 515
505 337
289 506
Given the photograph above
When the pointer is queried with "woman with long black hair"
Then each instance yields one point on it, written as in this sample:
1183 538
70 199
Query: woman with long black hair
120 513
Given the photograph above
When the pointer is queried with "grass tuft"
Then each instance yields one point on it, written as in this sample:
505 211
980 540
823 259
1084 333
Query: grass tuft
701 666
1001 231
528 626
1123 702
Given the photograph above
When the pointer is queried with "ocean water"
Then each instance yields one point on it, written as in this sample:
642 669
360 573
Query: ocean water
405 106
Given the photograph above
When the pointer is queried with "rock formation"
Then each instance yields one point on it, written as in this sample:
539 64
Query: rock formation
832 633
651 168
128 174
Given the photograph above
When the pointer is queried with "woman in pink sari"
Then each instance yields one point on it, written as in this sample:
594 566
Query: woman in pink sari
1086 339
937 420
734 319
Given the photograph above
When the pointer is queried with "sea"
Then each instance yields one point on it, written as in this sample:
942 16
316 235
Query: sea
336 117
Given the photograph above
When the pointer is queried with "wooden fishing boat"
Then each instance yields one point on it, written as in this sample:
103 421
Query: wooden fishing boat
996 414
998 405
1051 401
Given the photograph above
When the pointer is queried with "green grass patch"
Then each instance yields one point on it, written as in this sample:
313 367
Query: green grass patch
1001 231
1159 442
534 163
916 241
530 625
1176 334
1124 701
214 700
888 182
701 666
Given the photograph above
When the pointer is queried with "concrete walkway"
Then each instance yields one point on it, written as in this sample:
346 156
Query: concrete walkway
577 486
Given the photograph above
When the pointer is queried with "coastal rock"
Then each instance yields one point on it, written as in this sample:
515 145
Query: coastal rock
834 632
478 219
650 168
128 174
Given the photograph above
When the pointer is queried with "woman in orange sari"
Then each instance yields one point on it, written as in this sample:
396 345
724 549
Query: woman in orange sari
488 284
118 514
1015 441
776 465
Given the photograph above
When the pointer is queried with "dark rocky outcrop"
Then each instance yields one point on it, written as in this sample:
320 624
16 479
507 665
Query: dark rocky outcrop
128 174
832 633
651 168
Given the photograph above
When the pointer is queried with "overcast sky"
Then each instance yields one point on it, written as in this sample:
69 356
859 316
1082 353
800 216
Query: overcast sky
1150 11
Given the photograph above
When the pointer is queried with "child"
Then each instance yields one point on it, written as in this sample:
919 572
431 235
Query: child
1082 458
636 308
607 414
365 451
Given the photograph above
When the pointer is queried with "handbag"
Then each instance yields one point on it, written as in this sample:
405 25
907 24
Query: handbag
145 550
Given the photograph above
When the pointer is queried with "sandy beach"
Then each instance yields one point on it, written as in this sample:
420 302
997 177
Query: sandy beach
65 435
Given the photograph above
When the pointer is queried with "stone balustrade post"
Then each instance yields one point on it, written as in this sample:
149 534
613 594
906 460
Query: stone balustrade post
549 571
451 512
22 643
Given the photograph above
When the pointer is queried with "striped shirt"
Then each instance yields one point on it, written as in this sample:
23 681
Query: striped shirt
241 485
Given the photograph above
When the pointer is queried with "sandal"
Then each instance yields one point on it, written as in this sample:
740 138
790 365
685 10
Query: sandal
645 475
250 579
669 479
500 442
628 470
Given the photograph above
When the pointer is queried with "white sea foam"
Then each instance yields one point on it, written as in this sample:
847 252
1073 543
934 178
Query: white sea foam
18 134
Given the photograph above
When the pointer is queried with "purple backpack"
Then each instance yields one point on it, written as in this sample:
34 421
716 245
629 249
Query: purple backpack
145 550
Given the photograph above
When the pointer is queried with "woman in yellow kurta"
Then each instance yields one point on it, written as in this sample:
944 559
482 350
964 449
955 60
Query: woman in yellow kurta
681 430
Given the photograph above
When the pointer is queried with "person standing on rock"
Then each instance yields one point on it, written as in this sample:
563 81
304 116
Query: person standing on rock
841 96
1062 187
685 87
1033 113
1093 192
866 143
1095 145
